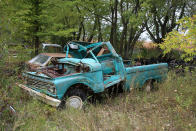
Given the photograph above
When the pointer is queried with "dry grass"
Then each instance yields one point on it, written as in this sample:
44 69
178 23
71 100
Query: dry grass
172 107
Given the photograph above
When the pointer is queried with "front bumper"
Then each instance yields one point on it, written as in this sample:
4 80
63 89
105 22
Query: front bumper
43 97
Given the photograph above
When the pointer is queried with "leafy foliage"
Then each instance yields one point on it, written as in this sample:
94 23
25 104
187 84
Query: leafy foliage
184 41
119 21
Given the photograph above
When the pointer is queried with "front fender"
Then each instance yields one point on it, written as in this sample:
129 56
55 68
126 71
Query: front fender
93 80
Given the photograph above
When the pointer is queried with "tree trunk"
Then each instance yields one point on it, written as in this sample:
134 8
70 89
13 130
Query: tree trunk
93 31
115 24
113 32
112 26
36 43
125 20
36 38
99 30
79 31
84 33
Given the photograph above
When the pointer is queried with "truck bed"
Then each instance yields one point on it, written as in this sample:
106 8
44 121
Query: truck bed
138 75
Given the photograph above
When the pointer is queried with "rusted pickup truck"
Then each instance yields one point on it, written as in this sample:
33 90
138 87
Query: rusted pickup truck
91 69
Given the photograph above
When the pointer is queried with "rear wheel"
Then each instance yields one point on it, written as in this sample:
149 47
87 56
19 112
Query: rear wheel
148 86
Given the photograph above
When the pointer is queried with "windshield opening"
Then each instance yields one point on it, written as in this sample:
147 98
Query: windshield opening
99 52
80 49
40 59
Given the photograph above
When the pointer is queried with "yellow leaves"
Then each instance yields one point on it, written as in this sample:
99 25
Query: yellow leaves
184 40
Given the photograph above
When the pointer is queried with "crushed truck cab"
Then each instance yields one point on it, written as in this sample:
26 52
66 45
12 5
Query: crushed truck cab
92 68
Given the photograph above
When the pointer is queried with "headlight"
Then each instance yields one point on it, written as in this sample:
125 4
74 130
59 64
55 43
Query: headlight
86 68
52 90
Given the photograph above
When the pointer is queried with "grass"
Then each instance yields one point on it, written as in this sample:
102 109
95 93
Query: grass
172 107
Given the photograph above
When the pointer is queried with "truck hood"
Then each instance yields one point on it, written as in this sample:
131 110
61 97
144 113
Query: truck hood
94 65
36 75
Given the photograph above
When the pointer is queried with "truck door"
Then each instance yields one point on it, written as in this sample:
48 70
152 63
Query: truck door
109 64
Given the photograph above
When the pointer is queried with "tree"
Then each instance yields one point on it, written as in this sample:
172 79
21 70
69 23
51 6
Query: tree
163 15
95 19
31 20
183 40
120 21
67 21
133 20
4 20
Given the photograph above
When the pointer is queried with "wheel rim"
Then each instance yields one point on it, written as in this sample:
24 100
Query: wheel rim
74 102
148 88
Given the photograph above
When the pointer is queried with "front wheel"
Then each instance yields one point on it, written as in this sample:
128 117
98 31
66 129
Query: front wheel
75 98
74 102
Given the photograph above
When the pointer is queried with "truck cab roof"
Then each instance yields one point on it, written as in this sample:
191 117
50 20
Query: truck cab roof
81 49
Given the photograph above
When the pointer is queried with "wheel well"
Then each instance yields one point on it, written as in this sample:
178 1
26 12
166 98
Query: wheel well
116 88
80 86
86 88
152 80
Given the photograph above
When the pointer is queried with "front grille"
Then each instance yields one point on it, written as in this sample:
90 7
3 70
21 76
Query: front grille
38 84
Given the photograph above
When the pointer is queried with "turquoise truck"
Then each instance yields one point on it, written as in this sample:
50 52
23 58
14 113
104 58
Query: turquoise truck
88 69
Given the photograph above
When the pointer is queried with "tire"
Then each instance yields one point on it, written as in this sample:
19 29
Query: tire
115 90
148 86
74 98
